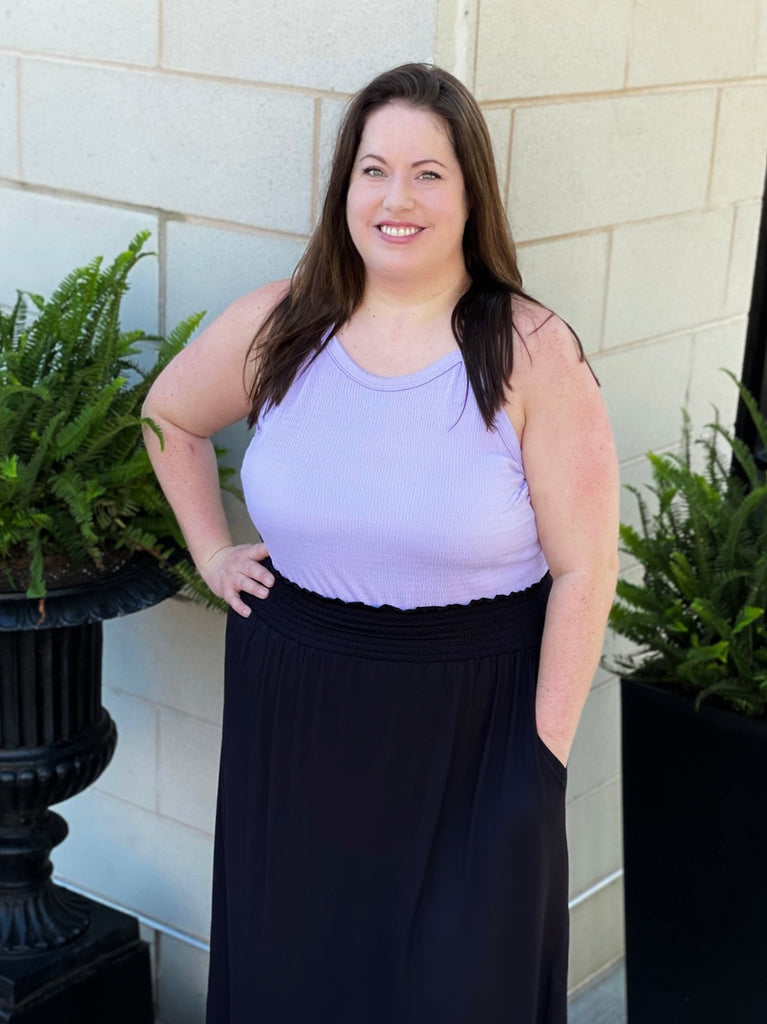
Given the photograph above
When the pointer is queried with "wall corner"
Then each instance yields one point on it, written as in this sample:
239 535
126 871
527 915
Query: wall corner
455 42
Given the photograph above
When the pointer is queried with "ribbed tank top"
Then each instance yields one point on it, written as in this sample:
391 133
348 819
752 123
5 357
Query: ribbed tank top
390 490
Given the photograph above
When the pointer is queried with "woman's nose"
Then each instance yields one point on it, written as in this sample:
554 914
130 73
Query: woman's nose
398 194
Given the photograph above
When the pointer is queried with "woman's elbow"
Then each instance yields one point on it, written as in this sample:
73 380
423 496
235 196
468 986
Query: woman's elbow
148 409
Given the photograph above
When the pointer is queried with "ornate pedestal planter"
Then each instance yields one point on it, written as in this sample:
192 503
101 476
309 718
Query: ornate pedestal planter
63 959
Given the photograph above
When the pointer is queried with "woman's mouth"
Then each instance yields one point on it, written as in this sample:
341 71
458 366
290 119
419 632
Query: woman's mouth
399 230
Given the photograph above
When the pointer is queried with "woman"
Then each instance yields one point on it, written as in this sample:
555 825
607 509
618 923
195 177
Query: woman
433 476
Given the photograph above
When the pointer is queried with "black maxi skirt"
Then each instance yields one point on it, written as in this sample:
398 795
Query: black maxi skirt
390 838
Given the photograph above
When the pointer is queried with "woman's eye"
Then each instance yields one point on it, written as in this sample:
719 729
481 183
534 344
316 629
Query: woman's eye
372 172
430 175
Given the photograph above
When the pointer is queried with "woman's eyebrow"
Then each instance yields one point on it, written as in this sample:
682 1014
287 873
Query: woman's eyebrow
416 163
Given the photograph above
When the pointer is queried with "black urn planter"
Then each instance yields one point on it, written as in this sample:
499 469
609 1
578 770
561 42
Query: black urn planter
695 854
64 959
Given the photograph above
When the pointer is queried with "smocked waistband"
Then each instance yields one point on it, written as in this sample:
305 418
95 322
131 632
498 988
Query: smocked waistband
481 628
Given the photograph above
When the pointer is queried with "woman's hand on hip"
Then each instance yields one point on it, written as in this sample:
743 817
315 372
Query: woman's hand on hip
237 568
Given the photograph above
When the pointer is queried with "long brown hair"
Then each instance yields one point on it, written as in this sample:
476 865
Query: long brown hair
329 282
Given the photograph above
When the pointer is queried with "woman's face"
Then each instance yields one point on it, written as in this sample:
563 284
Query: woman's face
406 203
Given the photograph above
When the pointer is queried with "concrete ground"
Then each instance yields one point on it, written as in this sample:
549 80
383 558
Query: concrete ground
604 1002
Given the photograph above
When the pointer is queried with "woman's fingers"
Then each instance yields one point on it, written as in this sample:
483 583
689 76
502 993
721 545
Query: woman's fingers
236 569
261 573
236 603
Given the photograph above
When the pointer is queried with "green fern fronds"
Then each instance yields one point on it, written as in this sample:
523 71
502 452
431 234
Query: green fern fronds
75 479
699 616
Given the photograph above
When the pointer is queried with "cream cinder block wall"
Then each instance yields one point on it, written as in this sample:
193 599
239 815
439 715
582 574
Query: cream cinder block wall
630 140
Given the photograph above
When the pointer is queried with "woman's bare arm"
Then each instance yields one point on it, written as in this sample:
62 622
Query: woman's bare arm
572 472
201 391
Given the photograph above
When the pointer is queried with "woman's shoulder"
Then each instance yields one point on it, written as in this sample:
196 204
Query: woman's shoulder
543 341
551 378
253 308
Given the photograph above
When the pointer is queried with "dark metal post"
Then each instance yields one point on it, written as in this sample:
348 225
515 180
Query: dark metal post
753 374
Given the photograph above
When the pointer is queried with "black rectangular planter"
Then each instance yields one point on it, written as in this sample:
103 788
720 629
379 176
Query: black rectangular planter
695 854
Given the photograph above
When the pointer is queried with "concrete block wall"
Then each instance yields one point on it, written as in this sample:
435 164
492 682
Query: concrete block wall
630 138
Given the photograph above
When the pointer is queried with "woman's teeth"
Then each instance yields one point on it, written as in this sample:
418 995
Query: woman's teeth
388 229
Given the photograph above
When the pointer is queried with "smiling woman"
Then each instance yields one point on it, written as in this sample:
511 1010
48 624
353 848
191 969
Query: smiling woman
409 649
406 212
406 190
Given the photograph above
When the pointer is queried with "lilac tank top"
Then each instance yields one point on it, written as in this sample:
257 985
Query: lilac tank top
390 490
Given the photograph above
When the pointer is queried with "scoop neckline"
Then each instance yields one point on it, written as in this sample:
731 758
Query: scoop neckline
409 380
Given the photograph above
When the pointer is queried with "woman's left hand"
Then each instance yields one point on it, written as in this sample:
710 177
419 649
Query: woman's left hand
558 746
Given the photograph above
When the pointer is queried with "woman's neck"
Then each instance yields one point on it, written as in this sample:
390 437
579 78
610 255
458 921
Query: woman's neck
396 331
407 306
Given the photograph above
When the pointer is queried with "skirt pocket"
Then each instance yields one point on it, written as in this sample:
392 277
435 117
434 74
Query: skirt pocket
551 759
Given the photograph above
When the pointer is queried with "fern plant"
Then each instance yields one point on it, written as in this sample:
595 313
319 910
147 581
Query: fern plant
76 485
699 615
